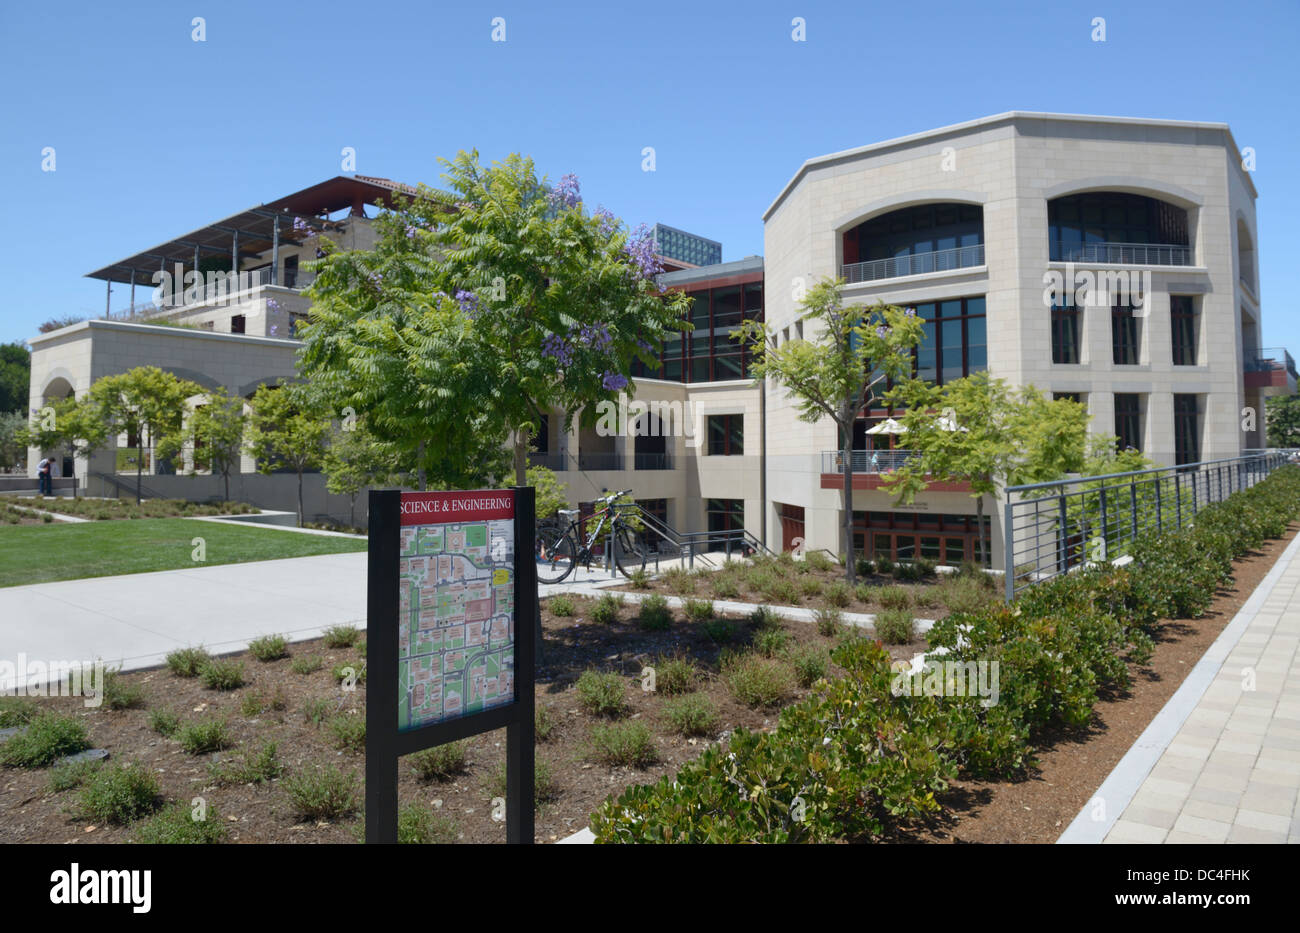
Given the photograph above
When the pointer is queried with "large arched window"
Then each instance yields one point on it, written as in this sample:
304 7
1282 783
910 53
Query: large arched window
1117 227
914 240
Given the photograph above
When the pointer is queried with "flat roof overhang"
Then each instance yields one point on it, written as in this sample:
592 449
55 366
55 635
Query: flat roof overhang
256 226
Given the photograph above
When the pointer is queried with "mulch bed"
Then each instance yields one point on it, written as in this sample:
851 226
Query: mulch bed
30 812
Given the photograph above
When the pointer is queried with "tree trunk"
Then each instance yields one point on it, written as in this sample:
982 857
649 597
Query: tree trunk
225 474
846 451
300 497
979 531
139 461
521 457
352 511
419 464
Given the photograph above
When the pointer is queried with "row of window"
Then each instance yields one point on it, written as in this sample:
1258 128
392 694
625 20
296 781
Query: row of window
708 353
1129 427
725 437
1126 333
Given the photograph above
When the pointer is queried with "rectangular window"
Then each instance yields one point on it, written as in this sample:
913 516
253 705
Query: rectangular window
1125 333
1065 334
954 341
237 324
726 520
1128 420
726 435
290 272
1187 429
1068 396
1182 321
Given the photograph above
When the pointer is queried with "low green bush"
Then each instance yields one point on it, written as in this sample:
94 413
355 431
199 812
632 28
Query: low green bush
561 605
175 825
208 735
251 767
120 794
828 621
187 662
757 681
322 792
606 609
838 594
691 715
895 626
442 762
810 665
675 674
306 665
771 642
602 694
419 825
218 674
73 774
719 630
347 732
120 693
164 721
16 711
545 722
893 597
698 610
654 615
269 648
764 617
47 738
340 636
622 744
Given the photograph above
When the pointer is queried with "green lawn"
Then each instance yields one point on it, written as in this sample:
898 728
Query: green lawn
41 553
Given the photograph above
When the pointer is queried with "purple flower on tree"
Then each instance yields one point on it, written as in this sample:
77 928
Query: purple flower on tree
558 349
640 249
882 331
614 381
909 312
468 301
566 192
607 223
595 336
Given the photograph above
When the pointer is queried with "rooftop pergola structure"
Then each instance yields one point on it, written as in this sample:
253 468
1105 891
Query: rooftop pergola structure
253 231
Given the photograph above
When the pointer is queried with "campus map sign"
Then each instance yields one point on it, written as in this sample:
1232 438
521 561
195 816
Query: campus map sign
456 605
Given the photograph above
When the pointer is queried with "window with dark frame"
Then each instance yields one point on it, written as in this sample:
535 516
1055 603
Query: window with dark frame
1065 334
1182 325
954 340
708 353
1128 420
724 515
1187 429
726 435
1125 335
237 324
1068 397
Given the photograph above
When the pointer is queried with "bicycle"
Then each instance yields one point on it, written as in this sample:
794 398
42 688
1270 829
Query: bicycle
559 550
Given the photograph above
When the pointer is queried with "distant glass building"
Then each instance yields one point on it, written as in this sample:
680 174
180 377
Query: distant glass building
672 243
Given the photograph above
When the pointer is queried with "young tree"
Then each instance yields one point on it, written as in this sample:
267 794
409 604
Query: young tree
70 424
287 431
214 432
13 452
549 491
977 431
356 459
831 373
144 402
562 300
15 376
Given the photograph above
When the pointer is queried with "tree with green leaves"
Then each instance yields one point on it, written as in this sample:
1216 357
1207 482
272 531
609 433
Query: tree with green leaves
562 301
833 372
287 430
355 459
13 452
214 434
548 491
67 424
976 430
1282 420
145 402
15 377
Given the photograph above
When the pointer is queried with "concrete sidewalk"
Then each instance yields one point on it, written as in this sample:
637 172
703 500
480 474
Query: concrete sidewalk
1221 760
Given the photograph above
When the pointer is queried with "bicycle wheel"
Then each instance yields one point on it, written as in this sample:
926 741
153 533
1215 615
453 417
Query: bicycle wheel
629 552
556 556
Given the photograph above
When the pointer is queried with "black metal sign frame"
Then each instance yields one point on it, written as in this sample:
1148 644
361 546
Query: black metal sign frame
385 745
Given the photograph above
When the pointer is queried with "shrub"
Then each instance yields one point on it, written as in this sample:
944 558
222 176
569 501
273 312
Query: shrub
419 825
698 610
269 648
654 614
306 665
640 579
907 571
838 594
441 762
606 610
690 715
884 566
355 673
626 744
895 626
680 581
782 592
810 587
120 794
322 792
347 732
809 664
764 617
965 594
893 597
545 722
121 694
864 566
757 681
175 825
601 694
250 768
317 710
187 662
676 674
253 704
926 597
829 621
16 711
340 636
164 722
719 630
772 641
561 605
209 735
222 675
818 561
724 586
73 774
48 737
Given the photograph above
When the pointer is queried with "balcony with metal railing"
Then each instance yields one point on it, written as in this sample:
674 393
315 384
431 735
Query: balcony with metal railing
1128 254
867 461
943 260
217 290
1270 368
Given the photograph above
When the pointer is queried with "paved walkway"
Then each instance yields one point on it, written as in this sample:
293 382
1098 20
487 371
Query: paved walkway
1221 761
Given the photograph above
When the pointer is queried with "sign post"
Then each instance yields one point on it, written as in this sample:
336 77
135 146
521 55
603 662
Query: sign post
452 593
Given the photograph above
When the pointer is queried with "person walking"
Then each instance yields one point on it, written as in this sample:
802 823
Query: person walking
44 476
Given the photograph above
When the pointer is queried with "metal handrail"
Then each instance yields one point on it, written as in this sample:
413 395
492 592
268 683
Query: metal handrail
1057 526
941 260
1269 359
1140 254
868 461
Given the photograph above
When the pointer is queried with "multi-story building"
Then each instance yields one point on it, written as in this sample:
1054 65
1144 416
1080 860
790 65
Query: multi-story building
969 224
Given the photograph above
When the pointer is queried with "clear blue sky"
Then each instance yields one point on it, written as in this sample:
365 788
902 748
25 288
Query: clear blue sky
156 134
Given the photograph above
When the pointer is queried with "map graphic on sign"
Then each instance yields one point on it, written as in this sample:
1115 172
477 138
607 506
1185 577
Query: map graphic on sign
456 626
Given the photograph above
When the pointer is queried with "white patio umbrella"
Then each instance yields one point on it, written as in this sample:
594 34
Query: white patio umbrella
950 424
888 426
